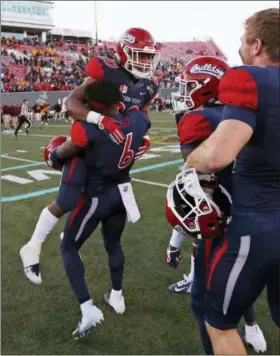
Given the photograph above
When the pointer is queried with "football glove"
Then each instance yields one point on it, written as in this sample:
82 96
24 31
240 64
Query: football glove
112 127
143 149
173 257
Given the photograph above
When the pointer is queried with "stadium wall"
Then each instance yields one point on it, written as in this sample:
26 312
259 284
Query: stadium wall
51 96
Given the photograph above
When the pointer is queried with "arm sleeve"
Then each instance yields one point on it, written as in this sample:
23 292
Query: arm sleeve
241 114
79 135
193 127
238 92
95 69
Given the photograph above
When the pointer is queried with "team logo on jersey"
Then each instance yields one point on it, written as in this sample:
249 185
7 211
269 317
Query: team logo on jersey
123 89
207 69
128 38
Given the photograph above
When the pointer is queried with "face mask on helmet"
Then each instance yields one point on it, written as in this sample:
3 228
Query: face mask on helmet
197 212
141 63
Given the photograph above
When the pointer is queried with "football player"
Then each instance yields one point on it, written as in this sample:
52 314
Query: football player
136 60
137 57
107 199
248 260
71 185
198 88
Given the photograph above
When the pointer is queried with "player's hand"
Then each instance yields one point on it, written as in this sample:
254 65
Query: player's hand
143 149
112 127
173 257
54 162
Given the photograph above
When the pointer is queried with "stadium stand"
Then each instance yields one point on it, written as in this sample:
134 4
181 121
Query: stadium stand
32 65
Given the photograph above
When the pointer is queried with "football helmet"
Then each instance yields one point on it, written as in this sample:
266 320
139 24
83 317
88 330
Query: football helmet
138 53
50 146
198 83
197 205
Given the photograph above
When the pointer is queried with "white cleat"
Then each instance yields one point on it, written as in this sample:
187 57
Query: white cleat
91 316
254 337
31 266
116 302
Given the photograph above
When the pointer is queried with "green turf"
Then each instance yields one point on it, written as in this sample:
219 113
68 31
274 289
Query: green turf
40 319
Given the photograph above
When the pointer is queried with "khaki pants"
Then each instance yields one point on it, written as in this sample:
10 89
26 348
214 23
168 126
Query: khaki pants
7 121
14 121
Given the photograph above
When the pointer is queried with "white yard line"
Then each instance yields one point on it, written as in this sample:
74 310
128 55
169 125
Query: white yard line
18 159
150 183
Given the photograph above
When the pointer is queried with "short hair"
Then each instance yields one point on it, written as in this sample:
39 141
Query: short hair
264 25
104 93
25 100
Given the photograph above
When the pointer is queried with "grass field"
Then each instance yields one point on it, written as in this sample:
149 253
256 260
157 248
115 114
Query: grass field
40 319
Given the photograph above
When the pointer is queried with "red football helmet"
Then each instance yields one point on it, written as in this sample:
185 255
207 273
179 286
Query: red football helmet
138 53
51 145
201 213
198 83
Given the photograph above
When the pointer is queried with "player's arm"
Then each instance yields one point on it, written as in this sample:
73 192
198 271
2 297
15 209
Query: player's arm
238 91
77 109
74 104
81 134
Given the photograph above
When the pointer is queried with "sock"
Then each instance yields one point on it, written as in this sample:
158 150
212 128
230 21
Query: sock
45 224
191 275
176 239
250 316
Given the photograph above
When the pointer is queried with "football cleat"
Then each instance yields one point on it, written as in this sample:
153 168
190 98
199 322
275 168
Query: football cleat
183 286
31 266
116 302
253 336
90 317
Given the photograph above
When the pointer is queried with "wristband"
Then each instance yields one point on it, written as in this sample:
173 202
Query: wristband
93 117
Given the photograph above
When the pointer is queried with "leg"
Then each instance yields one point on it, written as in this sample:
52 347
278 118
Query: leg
28 125
184 285
229 293
273 293
79 226
20 123
70 191
112 229
198 292
252 334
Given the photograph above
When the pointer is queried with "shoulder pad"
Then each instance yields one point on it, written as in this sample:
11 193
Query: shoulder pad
238 87
193 127
108 62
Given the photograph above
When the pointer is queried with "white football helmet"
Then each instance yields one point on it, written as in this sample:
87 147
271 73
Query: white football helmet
197 206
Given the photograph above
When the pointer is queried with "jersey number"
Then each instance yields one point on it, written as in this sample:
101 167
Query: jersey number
128 153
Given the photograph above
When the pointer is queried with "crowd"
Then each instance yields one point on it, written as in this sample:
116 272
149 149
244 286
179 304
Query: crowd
31 65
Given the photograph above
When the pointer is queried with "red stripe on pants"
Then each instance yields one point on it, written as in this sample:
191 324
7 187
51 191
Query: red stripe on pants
216 259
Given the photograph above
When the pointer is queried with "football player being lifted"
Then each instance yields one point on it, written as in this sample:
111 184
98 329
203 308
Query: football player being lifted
136 61
198 88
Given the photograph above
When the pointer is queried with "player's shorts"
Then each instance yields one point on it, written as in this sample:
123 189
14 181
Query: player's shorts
71 184
247 261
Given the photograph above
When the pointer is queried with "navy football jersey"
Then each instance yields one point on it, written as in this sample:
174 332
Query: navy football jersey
135 93
107 163
197 125
251 95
